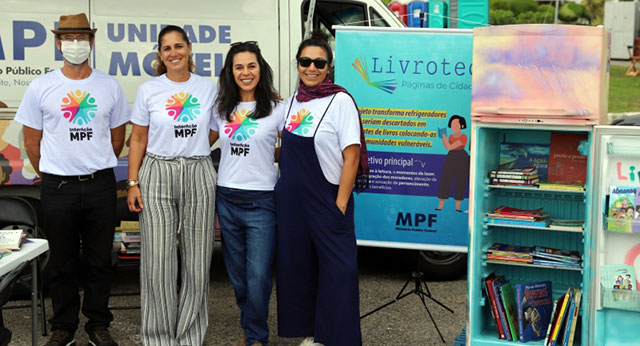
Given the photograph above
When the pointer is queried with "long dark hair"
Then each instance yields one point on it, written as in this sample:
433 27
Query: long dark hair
229 93
159 65
317 39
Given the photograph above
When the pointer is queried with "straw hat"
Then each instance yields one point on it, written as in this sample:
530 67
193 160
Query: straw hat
74 23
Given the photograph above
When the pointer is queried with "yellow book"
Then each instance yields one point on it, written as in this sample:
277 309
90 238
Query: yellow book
129 225
561 316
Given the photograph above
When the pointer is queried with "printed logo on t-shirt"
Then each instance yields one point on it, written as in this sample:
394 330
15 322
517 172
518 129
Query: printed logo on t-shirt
183 107
240 128
79 107
300 123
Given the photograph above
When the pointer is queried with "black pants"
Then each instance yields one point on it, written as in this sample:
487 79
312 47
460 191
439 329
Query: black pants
79 215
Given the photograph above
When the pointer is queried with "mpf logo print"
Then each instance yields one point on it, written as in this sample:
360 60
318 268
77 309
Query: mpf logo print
301 122
183 107
241 126
79 107
388 86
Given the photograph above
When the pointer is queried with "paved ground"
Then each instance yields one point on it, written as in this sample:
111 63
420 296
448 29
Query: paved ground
382 274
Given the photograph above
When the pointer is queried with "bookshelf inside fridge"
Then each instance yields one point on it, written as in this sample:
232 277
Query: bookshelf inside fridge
616 227
559 204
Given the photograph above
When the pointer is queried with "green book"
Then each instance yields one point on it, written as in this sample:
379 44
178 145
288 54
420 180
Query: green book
510 308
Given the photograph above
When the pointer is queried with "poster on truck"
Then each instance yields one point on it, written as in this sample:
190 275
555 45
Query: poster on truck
413 89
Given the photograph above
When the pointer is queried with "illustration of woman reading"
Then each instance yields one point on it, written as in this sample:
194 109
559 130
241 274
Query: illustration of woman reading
455 170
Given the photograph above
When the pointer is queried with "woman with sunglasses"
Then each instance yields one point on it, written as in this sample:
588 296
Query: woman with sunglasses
249 116
323 151
172 185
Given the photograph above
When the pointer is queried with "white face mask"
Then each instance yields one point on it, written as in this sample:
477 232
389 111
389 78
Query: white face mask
76 52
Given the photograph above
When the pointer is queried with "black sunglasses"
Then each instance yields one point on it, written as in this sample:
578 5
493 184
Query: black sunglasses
306 62
248 43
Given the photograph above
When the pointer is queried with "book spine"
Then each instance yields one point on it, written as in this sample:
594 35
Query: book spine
561 315
551 322
494 308
519 298
501 311
567 328
526 223
514 181
577 295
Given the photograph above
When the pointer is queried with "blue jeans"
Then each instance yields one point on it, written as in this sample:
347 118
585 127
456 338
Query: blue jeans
248 227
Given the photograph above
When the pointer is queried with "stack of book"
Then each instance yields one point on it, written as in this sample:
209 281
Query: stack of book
556 258
551 185
128 238
518 217
509 253
527 176
522 316
562 326
566 225
12 239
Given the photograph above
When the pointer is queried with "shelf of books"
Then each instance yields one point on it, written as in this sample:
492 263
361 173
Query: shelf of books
616 261
529 244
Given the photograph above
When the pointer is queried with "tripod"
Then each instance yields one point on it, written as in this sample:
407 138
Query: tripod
419 283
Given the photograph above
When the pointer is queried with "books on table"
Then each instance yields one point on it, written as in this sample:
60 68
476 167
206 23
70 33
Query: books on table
12 239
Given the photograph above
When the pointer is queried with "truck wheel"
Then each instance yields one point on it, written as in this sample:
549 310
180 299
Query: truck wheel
442 265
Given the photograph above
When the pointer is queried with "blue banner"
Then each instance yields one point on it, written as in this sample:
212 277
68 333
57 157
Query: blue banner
413 89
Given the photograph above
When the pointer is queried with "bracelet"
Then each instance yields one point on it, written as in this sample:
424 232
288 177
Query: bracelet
131 183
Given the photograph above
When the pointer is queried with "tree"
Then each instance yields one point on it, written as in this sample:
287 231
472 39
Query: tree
594 11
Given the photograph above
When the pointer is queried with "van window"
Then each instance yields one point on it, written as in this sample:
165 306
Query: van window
376 19
330 13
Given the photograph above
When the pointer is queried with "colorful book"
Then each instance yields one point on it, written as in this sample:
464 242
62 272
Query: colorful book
509 175
552 321
567 225
514 155
507 181
548 263
575 303
504 210
620 214
535 304
550 185
566 163
576 311
501 312
559 254
542 223
509 304
510 250
488 282
562 314
517 171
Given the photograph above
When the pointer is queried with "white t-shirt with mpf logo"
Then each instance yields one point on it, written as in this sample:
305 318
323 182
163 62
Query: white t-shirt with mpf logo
247 148
178 114
76 118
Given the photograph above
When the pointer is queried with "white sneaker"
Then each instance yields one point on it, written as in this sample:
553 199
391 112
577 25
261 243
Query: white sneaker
309 342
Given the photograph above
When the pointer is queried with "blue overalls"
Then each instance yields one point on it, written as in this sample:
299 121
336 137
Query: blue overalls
317 266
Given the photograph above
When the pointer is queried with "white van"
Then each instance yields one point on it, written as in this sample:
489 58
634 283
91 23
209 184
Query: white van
126 44
127 33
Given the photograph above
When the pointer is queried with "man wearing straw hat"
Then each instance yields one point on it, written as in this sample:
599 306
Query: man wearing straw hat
74 122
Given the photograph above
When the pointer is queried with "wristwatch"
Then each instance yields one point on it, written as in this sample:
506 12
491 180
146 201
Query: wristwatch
131 183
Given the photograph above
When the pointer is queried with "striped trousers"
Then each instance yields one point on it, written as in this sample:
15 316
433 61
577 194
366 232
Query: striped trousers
179 199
